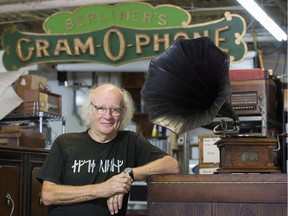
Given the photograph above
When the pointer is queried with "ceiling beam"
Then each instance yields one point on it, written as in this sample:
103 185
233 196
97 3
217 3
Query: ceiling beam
53 4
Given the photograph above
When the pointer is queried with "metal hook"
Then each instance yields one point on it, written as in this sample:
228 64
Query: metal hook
9 202
278 141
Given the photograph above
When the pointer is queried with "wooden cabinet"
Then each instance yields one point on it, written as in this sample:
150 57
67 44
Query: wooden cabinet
19 167
133 83
19 188
218 194
9 188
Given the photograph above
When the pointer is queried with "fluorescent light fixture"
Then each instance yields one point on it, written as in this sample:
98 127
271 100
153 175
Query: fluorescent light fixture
137 66
256 11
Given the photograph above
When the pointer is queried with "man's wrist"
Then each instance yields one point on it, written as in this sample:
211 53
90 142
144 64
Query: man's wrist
129 171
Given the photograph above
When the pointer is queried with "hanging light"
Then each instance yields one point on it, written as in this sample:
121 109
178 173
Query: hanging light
256 11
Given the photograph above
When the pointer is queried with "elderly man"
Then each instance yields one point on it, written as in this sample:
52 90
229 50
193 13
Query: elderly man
91 172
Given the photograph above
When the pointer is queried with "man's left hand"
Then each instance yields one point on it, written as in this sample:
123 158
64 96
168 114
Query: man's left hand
115 203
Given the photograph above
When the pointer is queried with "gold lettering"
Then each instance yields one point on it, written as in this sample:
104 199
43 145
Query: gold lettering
158 40
181 35
113 15
107 47
78 45
79 21
69 24
218 39
62 45
147 17
198 35
135 16
162 20
19 49
103 18
123 15
41 47
141 40
91 18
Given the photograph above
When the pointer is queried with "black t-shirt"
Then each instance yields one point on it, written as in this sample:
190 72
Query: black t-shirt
77 159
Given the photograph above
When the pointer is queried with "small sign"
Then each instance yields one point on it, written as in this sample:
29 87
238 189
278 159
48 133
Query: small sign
209 154
210 151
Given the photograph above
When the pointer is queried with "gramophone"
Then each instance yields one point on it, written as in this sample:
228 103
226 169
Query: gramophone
187 86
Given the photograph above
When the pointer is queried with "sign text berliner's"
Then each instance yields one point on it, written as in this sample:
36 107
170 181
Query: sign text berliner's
116 44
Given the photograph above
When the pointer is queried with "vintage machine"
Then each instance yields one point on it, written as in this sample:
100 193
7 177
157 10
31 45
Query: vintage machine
188 86
253 93
38 101
41 100
247 154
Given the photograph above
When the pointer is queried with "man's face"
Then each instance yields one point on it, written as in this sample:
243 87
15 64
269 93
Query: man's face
106 104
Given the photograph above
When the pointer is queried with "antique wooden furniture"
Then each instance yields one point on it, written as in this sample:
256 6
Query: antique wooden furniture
217 195
18 184
247 155
19 187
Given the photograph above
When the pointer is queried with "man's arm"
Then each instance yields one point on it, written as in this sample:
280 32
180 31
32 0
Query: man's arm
165 165
54 194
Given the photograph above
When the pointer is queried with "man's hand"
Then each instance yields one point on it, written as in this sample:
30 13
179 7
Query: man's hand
118 184
115 203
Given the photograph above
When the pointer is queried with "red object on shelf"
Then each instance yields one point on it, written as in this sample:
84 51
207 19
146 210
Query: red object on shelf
248 74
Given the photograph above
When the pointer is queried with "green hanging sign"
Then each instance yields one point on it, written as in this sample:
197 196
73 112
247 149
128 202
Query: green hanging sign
116 35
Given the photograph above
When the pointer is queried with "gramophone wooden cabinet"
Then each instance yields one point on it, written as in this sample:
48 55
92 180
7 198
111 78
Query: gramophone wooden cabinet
18 169
218 195
247 155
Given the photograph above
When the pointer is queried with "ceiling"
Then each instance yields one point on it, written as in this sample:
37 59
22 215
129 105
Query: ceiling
29 15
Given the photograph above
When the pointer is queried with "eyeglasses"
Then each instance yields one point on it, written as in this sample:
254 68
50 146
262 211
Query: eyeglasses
113 111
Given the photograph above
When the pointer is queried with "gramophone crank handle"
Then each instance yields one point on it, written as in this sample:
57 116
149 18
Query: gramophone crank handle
278 141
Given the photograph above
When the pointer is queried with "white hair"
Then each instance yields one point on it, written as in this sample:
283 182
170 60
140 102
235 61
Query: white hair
127 103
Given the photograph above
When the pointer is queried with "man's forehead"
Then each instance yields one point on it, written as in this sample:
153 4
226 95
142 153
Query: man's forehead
107 87
107 92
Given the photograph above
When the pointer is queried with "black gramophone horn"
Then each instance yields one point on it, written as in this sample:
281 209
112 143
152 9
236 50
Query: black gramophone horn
188 85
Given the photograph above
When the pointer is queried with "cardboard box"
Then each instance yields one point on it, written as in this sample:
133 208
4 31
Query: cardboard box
30 82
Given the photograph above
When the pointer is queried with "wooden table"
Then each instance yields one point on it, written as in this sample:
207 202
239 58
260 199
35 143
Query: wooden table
217 195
